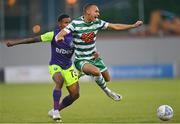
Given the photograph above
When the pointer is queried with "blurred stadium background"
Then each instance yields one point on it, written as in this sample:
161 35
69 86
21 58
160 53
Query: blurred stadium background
150 53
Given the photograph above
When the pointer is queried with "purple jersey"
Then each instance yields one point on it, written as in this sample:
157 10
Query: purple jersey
61 52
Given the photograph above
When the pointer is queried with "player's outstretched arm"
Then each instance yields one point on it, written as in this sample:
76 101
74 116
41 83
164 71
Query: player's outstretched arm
124 26
11 43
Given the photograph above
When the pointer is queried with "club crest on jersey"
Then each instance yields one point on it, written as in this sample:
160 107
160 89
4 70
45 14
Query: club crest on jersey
88 37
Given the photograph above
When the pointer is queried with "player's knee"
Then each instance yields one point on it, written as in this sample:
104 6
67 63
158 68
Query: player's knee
96 72
58 86
107 79
58 78
58 83
77 95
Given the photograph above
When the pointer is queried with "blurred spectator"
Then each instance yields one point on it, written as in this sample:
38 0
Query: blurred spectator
164 22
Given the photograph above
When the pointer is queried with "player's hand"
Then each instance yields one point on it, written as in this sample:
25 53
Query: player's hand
9 44
137 24
59 39
96 55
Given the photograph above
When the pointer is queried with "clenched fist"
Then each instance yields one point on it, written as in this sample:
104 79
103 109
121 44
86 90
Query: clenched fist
9 44
137 24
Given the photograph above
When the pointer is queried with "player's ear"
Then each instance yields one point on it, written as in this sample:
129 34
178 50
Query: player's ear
88 11
59 23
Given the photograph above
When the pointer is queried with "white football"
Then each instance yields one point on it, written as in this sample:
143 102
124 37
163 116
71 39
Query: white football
165 112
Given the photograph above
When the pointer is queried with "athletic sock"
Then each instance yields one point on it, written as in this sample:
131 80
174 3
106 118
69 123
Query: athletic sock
100 81
66 102
56 98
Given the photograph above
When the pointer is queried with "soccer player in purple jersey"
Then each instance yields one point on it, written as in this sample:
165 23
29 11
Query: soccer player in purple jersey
60 65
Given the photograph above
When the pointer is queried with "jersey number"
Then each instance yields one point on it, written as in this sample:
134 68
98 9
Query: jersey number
73 73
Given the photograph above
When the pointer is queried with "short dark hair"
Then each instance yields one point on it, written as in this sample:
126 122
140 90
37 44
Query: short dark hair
62 16
87 6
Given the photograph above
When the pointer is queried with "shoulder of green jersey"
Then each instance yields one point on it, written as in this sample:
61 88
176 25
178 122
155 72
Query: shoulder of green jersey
106 25
78 21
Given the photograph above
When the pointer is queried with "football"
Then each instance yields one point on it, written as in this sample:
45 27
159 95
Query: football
165 112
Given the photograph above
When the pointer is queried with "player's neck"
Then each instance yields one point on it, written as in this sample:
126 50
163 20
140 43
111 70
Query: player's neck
86 19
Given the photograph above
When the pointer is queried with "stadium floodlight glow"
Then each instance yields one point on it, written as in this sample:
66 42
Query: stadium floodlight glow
71 2
36 28
11 2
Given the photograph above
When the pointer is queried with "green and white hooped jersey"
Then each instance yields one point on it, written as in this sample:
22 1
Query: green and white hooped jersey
84 36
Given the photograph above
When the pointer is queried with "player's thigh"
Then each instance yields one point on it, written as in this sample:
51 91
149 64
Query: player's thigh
106 75
100 64
91 69
74 90
58 79
56 74
87 66
80 63
70 76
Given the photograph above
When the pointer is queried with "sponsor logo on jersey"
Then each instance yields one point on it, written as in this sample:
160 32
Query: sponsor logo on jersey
88 37
63 51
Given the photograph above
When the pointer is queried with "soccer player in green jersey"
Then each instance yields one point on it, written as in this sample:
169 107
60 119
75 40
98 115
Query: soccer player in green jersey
84 30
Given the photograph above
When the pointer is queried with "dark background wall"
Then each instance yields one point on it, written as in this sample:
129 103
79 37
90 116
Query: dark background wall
24 14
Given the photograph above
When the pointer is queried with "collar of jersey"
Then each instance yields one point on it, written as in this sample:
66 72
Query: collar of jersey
88 23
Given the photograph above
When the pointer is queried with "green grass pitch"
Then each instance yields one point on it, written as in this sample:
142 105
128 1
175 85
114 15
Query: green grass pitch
29 103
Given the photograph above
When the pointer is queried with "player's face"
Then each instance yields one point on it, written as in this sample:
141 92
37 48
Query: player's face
64 22
93 13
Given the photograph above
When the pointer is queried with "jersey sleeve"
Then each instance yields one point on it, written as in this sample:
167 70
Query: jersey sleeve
47 37
70 27
104 24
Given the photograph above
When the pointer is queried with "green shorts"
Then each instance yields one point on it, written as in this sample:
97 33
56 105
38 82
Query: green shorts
97 62
70 76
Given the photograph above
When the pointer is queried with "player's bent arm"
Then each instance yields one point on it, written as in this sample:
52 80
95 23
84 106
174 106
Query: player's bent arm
124 26
60 36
